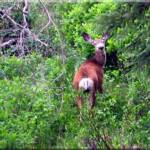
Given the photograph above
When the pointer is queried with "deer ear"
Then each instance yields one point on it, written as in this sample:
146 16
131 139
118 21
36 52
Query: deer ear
87 37
105 36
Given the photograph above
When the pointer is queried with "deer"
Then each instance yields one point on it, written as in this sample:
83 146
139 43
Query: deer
89 76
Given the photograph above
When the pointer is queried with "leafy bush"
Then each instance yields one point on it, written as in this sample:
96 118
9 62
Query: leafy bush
29 100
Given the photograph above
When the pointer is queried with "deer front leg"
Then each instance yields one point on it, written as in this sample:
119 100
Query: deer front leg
92 99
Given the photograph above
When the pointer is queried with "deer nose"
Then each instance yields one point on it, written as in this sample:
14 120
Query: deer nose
101 48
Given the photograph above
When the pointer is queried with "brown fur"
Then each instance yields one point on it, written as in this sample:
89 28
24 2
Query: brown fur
92 69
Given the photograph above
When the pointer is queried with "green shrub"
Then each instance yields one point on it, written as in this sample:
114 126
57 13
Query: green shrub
30 101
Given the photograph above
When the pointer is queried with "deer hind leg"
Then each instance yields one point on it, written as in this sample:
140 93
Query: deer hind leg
92 99
79 101
100 89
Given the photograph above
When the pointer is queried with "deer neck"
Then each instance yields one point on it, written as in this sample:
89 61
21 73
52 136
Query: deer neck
100 57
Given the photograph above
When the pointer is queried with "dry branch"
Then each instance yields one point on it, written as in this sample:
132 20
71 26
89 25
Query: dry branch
4 14
7 43
24 32
57 30
48 15
35 37
25 13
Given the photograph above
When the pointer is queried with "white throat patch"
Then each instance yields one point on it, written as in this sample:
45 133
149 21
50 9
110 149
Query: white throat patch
100 45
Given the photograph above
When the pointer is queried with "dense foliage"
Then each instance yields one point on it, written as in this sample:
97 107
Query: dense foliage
37 101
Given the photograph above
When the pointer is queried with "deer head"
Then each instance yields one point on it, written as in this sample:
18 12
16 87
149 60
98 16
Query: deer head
99 44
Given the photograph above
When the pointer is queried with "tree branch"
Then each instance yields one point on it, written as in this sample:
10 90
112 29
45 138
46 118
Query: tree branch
7 43
4 14
25 13
57 30
48 15
23 29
